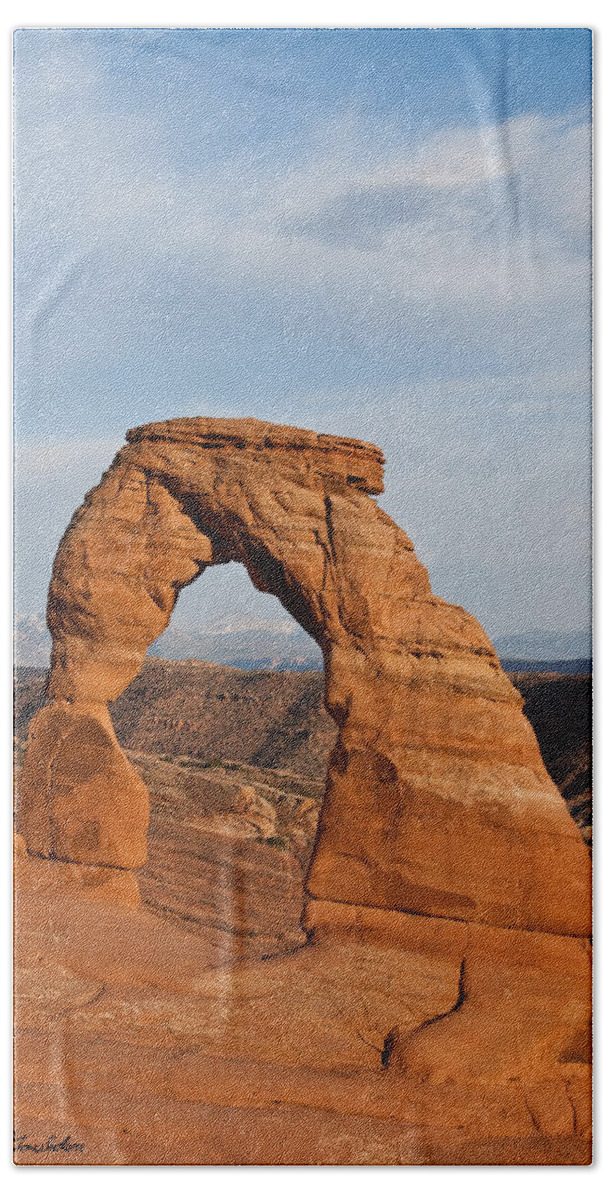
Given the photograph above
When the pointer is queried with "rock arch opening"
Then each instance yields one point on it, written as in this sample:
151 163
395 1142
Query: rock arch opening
222 618
226 726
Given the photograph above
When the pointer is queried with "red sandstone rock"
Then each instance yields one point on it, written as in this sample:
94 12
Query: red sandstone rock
137 1039
82 801
438 800
438 804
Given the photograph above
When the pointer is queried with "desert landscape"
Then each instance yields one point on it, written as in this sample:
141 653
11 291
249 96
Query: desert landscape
292 917
233 796
302 596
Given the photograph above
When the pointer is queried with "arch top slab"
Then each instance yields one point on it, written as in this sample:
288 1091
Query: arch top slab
355 462
437 801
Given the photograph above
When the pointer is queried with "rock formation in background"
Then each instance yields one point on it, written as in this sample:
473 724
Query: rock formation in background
439 824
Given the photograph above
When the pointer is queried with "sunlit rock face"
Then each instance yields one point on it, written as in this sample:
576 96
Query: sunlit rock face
446 869
437 799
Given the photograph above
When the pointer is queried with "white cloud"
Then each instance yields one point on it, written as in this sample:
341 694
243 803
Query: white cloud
44 463
488 215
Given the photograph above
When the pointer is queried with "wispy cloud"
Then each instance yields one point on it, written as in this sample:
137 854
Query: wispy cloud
47 461
492 213
192 239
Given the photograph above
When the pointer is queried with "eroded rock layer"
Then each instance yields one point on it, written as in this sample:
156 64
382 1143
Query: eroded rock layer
437 805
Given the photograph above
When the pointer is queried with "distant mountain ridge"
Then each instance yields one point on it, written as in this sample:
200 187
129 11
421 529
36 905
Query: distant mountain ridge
264 645
545 646
255 643
31 641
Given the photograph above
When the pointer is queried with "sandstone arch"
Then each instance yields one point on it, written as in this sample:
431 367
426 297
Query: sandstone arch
447 875
437 803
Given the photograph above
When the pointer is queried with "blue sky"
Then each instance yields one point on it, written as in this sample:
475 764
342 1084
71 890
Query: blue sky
382 233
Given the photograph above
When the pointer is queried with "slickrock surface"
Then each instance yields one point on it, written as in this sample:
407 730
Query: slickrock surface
137 1042
449 887
228 848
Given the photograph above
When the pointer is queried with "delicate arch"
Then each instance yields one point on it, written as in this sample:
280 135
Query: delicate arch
437 798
